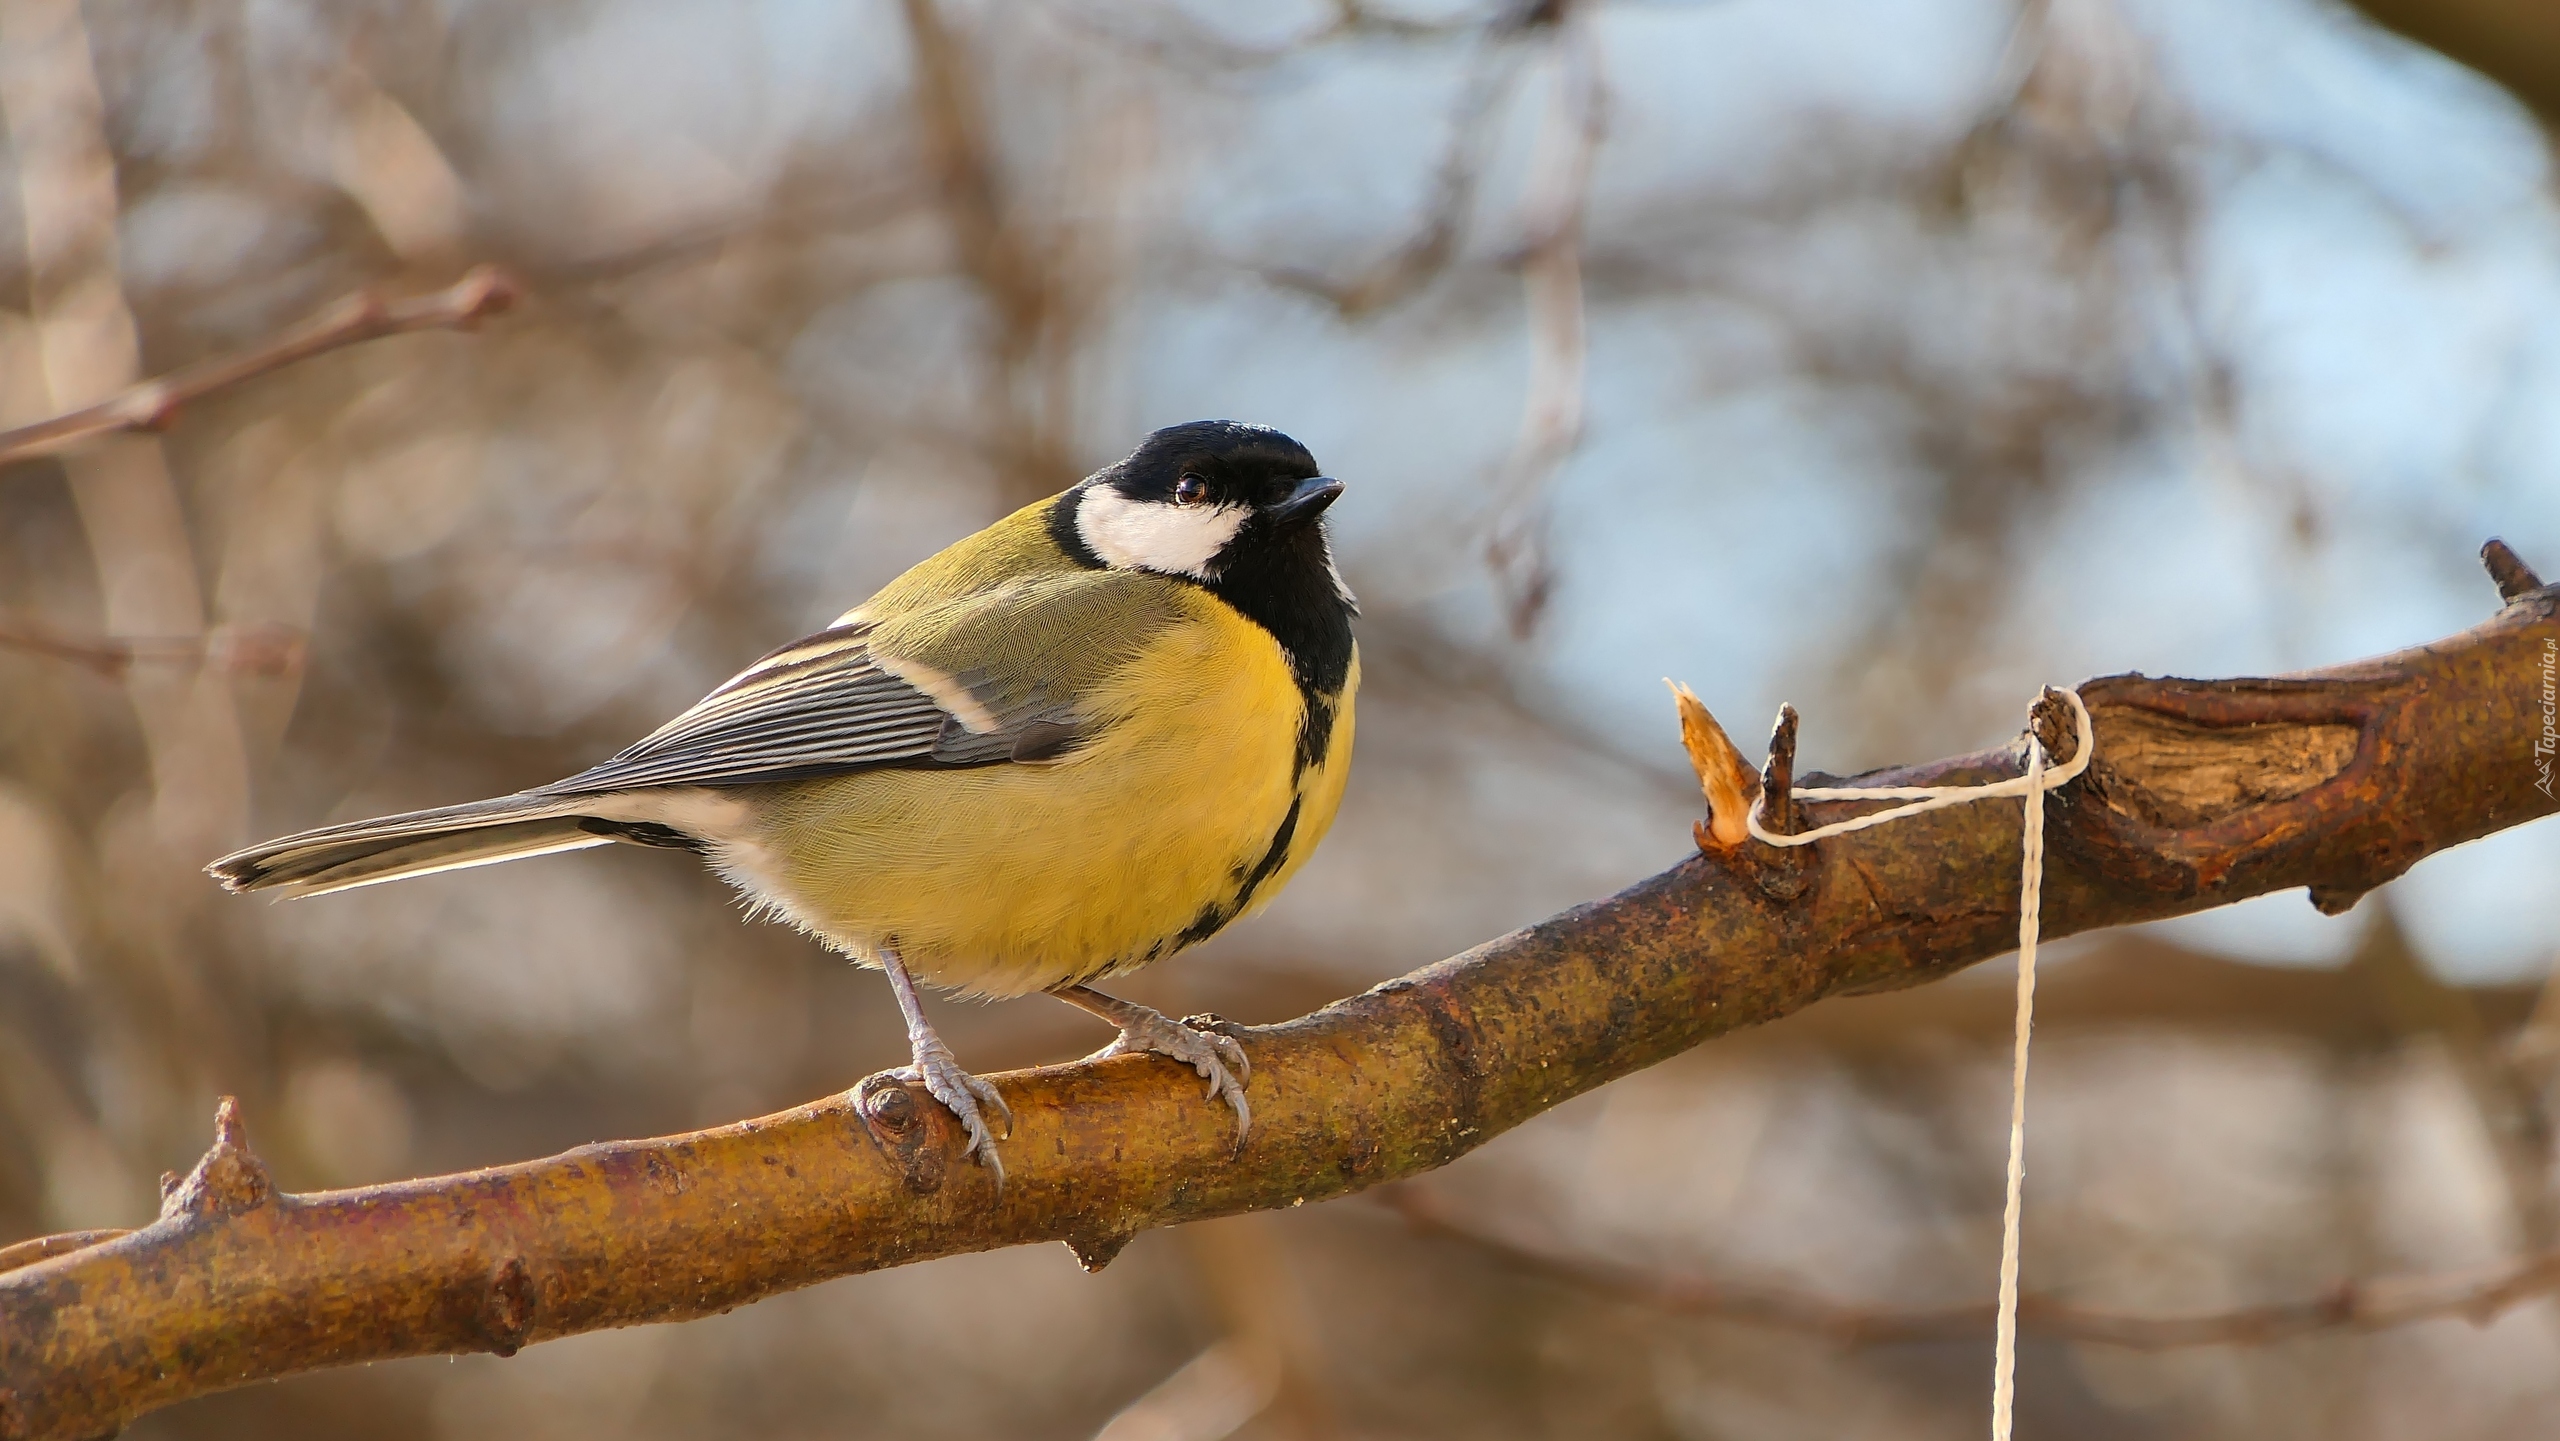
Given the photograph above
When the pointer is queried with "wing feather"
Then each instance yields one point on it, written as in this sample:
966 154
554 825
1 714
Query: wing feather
897 694
813 707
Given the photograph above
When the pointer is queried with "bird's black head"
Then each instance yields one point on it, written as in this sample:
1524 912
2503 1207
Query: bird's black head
1237 508
1196 500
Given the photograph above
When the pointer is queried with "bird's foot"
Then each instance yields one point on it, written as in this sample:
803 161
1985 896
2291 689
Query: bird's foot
939 1071
960 1093
1200 1042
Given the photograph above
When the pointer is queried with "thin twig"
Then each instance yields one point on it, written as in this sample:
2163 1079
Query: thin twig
1550 261
45 1248
1165 35
1019 267
2478 1296
266 649
1423 255
365 315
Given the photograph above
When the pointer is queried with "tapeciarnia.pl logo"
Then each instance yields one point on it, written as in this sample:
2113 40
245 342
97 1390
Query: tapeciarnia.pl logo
2548 742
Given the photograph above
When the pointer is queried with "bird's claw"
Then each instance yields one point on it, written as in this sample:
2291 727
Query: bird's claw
1205 1044
961 1094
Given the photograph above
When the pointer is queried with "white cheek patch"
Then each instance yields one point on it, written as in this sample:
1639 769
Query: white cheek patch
1156 535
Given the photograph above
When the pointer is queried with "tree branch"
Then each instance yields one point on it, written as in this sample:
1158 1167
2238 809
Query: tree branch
2478 1296
365 315
2201 793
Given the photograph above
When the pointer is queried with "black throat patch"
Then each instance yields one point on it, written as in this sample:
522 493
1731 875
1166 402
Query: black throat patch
1285 585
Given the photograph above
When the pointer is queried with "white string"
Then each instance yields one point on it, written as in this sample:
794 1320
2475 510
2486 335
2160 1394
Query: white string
2004 1345
2032 787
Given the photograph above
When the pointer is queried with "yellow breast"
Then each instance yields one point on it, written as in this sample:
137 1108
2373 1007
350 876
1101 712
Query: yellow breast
1185 810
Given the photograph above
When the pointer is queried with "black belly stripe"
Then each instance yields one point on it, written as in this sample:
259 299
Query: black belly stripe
1315 732
1214 916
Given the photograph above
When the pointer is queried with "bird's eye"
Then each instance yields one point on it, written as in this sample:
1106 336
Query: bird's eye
1190 490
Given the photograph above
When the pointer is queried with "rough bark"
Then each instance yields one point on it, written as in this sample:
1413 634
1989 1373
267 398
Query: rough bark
2202 793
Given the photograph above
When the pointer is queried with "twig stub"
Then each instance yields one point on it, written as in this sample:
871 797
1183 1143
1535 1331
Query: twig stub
230 1179
2515 578
2055 727
1778 777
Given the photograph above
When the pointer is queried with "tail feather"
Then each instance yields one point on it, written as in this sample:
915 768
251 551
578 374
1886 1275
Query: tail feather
336 858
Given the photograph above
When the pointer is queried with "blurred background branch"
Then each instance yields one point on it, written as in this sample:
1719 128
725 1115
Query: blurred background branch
2514 42
259 650
2478 1296
154 404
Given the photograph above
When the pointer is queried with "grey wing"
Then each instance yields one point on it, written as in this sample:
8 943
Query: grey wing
818 707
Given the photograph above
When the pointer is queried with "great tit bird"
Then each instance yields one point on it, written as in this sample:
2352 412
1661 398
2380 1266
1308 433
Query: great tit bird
1088 736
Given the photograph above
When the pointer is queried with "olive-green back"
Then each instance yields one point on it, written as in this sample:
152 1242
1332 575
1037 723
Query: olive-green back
1035 647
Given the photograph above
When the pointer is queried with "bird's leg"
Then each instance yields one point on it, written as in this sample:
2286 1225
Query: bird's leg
939 1071
1214 1055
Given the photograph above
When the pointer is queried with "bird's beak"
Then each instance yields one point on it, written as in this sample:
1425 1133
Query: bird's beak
1307 501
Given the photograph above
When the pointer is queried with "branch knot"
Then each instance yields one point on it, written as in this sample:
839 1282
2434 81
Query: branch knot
507 1311
904 1129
